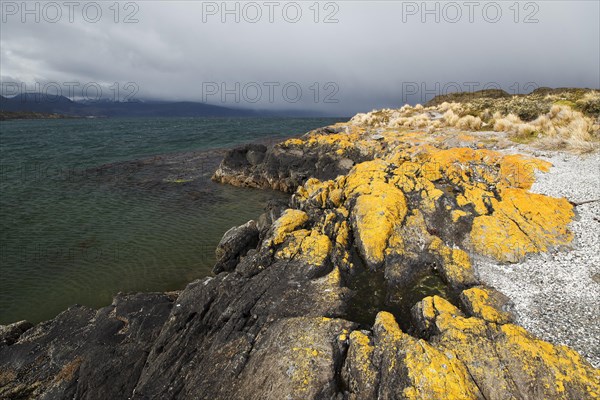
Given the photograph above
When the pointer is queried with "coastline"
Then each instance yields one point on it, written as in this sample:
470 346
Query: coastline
149 223
555 294
18 115
387 206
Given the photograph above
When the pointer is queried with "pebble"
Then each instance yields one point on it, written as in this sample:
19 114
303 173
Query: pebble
564 306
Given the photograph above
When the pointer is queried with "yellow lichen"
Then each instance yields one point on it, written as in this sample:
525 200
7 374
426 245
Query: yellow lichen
310 247
387 325
479 300
374 217
456 266
519 171
432 374
393 202
522 223
435 374
499 357
293 142
457 214
564 367
289 221
360 354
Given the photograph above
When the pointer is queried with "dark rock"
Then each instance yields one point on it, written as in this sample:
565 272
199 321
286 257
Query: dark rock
283 166
84 354
234 244
220 327
273 211
256 154
9 334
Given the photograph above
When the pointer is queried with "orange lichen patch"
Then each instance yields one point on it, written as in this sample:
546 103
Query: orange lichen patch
500 238
342 234
292 142
289 221
315 248
564 370
344 335
458 271
522 223
466 138
519 171
404 179
468 339
481 304
350 138
451 321
456 163
544 219
365 178
472 170
509 222
336 196
292 244
457 214
387 327
476 171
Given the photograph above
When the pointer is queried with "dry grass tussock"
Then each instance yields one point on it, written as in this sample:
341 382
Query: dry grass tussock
561 128
568 124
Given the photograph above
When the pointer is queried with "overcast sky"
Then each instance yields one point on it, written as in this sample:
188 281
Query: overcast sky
367 55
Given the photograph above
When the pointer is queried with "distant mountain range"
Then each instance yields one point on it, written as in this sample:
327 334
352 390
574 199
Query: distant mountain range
39 103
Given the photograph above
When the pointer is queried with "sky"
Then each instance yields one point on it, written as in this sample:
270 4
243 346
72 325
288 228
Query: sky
337 57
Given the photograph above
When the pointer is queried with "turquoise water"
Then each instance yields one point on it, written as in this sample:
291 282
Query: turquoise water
80 221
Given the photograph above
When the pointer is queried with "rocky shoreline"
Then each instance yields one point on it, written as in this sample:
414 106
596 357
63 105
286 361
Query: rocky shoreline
18 115
363 286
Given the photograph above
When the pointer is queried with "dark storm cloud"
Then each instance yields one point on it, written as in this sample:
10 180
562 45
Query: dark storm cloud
377 54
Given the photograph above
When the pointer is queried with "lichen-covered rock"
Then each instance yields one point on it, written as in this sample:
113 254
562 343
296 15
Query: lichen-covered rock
350 291
296 357
488 304
504 360
522 223
287 165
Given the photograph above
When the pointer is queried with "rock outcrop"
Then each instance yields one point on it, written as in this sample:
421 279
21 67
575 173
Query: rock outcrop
361 287
286 166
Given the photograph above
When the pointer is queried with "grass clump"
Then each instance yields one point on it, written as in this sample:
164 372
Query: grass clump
547 118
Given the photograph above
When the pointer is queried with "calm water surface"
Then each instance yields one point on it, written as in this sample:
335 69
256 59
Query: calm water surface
80 221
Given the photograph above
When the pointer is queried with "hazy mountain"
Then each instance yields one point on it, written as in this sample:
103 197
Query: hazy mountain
37 102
